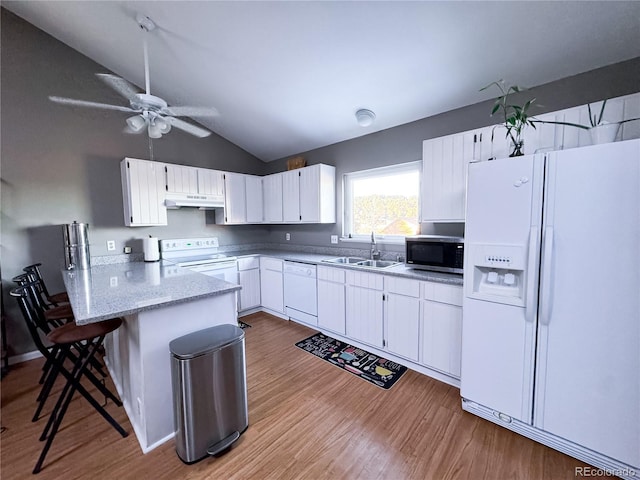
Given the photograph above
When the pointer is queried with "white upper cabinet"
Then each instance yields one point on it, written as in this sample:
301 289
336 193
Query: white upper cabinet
210 182
181 179
291 196
272 198
143 190
318 194
444 176
253 187
309 194
235 199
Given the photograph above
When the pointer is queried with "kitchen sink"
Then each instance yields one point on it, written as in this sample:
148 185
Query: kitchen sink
377 263
361 262
346 260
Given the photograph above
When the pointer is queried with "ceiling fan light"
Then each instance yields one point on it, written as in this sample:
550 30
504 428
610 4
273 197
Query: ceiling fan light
136 123
154 131
163 125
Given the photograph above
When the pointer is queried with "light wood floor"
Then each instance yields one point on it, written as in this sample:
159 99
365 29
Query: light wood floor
308 420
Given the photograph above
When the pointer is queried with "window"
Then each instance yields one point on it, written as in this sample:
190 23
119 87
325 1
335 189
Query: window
382 200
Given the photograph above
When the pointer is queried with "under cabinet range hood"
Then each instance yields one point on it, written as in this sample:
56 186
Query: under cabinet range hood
203 202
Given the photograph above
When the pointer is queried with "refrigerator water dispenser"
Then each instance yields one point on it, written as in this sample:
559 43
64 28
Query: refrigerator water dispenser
498 273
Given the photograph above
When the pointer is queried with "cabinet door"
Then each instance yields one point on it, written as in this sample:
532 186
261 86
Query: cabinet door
310 194
143 191
254 198
272 196
235 202
181 179
210 182
331 299
444 174
250 294
291 196
402 322
441 335
272 285
364 315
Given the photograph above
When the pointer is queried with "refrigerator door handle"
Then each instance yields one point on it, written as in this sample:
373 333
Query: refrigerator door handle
546 278
530 305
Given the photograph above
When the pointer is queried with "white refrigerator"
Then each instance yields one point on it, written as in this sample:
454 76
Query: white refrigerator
551 310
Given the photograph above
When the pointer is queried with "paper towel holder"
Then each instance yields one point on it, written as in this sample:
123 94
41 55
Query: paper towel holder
151 249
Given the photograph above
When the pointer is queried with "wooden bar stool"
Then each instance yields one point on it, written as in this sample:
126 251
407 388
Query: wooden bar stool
63 338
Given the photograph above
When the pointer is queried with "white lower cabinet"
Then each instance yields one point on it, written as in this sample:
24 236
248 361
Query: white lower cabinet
441 327
402 317
331 299
249 280
364 307
272 284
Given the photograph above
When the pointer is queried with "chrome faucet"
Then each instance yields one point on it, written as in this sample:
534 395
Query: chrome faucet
375 254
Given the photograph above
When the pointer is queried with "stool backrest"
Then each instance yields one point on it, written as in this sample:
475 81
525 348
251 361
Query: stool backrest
30 277
32 314
35 271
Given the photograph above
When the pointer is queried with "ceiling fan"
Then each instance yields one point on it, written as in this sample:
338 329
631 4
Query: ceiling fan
151 113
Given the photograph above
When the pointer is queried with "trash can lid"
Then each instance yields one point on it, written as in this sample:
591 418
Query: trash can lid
205 341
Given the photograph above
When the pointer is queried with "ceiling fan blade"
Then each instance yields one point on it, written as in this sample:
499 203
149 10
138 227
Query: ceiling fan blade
85 103
187 127
119 84
190 111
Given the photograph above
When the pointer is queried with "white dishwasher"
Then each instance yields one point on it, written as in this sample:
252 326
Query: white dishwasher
300 292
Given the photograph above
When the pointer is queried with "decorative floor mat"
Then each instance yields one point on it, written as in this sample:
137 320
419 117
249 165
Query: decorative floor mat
243 325
372 368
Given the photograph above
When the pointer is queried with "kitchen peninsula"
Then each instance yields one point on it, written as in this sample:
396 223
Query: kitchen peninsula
159 302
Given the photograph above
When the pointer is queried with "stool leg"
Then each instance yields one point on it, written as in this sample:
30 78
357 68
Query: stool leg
73 384
49 381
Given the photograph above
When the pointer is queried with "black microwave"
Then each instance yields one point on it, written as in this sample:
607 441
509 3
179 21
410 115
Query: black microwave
435 252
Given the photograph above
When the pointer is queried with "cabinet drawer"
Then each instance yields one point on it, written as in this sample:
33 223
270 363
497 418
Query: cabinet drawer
271 263
402 286
365 280
330 274
441 292
248 263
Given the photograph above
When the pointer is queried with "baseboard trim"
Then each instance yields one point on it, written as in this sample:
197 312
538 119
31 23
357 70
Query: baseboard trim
24 357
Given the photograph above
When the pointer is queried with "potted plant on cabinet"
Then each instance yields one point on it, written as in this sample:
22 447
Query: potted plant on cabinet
517 118
602 131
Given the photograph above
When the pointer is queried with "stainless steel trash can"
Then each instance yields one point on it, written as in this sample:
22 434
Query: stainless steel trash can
208 375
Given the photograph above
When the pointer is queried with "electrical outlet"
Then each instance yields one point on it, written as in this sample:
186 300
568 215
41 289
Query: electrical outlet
334 238
113 281
127 249
111 245
287 236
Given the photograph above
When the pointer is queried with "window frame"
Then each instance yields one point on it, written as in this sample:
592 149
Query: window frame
347 200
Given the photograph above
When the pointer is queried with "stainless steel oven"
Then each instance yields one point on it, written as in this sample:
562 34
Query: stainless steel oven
435 252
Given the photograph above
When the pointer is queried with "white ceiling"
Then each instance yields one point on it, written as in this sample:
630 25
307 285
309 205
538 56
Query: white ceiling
289 76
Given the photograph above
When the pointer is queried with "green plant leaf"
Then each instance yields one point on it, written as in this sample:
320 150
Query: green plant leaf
495 108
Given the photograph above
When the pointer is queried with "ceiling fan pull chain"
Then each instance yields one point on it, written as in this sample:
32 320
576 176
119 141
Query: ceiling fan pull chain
150 149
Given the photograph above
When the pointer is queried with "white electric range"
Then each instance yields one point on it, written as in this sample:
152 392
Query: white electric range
200 255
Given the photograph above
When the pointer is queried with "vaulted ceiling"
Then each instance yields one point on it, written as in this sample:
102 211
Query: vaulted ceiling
288 76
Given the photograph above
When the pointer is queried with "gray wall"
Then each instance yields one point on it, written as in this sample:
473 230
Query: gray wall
61 164
404 143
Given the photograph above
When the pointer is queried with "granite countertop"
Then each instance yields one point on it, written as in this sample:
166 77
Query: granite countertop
109 291
400 270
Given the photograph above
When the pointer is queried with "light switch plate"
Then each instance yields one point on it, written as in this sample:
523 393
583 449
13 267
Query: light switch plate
287 236
334 238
